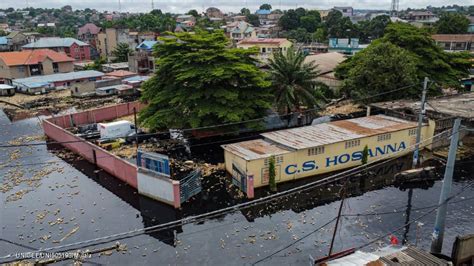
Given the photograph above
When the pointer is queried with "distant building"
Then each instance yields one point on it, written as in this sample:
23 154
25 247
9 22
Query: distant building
324 13
142 60
16 40
455 42
420 15
109 38
72 47
240 30
345 46
267 46
346 11
88 33
214 12
121 74
44 84
183 18
14 65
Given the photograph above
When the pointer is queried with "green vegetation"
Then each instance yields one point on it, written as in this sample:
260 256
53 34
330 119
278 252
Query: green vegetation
154 21
266 7
272 174
365 155
402 57
452 23
121 52
293 81
199 81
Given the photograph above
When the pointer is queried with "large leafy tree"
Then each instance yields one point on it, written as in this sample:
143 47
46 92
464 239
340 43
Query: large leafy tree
380 68
199 81
293 81
121 52
452 23
432 62
266 7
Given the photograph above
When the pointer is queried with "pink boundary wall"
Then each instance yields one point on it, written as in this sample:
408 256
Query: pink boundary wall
54 128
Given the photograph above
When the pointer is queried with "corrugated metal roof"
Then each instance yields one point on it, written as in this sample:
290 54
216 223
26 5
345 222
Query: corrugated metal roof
333 132
60 77
255 149
51 42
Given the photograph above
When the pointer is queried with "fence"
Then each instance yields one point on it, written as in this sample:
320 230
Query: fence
54 128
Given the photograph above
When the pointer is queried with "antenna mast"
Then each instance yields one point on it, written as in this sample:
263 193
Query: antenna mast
152 5
394 8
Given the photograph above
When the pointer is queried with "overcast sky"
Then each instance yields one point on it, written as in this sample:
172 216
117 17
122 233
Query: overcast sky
177 6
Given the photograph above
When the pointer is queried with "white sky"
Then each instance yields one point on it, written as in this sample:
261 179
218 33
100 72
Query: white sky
181 6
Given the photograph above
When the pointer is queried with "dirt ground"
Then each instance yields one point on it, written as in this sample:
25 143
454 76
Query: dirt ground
342 109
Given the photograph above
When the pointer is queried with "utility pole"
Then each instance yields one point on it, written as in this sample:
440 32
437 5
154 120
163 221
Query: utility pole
136 125
421 115
343 196
152 5
438 232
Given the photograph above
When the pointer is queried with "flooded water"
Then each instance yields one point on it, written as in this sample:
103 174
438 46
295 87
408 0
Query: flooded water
51 199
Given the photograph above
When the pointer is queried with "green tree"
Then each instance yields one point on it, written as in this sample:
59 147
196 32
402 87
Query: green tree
200 81
272 174
293 80
266 7
310 23
380 68
121 52
365 155
446 68
245 11
320 35
193 12
452 23
253 19
96 65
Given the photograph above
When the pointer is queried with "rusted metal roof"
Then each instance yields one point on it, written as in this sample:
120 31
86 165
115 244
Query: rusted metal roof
255 149
333 132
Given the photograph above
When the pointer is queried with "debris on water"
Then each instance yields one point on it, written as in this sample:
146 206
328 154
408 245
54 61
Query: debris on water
74 230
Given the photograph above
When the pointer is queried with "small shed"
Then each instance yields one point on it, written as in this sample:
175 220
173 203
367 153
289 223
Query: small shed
106 91
6 90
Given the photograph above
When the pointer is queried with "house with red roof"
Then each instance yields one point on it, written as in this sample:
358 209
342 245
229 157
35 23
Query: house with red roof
74 48
88 34
28 63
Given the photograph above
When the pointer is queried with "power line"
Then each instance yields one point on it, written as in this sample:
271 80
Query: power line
231 209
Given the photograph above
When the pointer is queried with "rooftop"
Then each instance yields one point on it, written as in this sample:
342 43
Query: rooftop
453 37
6 87
326 62
3 40
54 42
59 77
255 149
338 131
33 57
88 28
263 12
121 73
460 105
263 41
147 45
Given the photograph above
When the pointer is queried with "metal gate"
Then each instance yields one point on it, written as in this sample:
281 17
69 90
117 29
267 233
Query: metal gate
190 185
239 178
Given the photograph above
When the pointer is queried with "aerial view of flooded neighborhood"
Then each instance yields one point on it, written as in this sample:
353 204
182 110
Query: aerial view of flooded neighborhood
146 132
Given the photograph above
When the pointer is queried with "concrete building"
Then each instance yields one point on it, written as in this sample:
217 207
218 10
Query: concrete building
6 90
266 46
74 48
16 40
323 148
142 60
455 42
88 34
214 12
44 84
348 46
108 39
14 65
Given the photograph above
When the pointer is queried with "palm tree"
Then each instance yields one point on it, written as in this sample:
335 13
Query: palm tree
121 52
293 80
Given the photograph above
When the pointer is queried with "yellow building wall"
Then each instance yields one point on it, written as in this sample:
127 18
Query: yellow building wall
301 165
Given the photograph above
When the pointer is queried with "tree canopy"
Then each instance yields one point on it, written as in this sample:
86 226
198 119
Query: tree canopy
452 23
200 81
293 80
266 7
403 56
121 52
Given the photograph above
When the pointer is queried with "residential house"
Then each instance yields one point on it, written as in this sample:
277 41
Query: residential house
142 60
23 64
240 30
16 40
109 38
326 63
183 18
324 13
120 74
115 67
89 88
213 12
136 81
4 44
263 15
455 42
266 46
470 29
6 90
44 84
88 34
72 47
347 11
238 18
422 18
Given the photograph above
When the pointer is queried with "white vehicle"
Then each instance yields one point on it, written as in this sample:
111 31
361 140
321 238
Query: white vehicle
119 129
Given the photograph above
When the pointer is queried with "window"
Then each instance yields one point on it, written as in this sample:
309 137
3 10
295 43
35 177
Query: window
315 150
384 137
412 132
264 50
55 67
352 143
278 160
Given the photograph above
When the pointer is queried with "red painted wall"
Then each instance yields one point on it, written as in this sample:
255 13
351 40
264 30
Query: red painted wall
80 53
